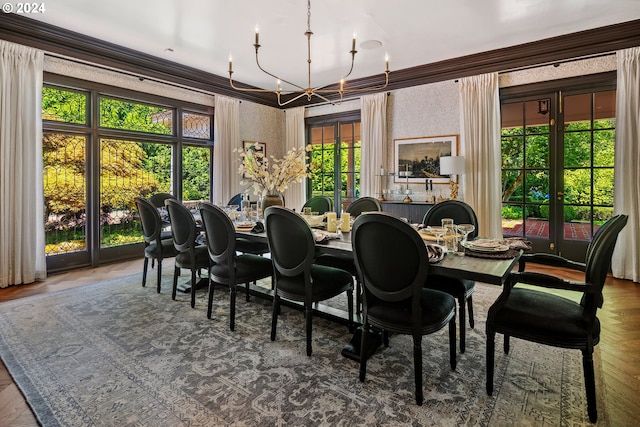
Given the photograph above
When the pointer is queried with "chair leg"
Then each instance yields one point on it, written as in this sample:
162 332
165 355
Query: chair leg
417 366
385 338
176 273
364 342
274 316
491 344
159 285
232 306
358 296
193 288
506 343
210 302
248 295
590 384
463 325
350 308
470 309
144 271
452 343
308 315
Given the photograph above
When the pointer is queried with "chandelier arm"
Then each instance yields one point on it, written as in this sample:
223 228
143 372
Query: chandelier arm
274 76
367 89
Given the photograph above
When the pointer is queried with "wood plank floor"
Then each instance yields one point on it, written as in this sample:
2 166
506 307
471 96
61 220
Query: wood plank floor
619 343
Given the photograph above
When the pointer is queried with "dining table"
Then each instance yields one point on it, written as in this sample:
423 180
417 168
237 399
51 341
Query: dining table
487 269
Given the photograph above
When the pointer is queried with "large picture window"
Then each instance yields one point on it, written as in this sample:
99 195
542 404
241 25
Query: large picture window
97 162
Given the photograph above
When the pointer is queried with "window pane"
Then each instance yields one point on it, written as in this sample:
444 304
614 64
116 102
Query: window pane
197 125
577 149
64 106
537 116
511 116
603 187
603 147
196 182
135 117
537 151
577 186
512 152
124 175
604 110
64 158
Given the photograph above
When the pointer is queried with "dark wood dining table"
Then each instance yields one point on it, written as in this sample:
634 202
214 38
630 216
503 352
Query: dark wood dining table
486 270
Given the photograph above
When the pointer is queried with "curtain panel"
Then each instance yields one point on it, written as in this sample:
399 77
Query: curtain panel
480 145
226 139
294 196
625 263
374 131
22 239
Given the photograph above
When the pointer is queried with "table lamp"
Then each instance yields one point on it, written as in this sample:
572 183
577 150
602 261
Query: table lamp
452 165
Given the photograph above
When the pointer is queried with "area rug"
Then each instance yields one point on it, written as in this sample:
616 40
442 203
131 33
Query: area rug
117 354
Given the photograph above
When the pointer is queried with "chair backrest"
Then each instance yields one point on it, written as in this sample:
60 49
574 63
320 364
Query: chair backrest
221 235
158 199
183 225
363 204
235 200
290 240
320 204
600 251
151 221
390 256
461 213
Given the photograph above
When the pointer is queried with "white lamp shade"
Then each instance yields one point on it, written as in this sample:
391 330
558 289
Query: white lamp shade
451 165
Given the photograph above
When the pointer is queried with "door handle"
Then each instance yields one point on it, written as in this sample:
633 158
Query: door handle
560 194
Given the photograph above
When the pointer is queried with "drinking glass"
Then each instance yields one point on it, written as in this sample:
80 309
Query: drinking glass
338 224
436 231
466 229
450 234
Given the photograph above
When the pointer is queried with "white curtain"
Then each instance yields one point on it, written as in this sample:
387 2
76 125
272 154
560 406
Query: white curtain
373 129
226 138
22 243
480 146
625 263
294 196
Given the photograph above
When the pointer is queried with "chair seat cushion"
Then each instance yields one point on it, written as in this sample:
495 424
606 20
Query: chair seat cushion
455 287
249 267
183 259
168 249
554 319
343 263
250 246
437 308
327 282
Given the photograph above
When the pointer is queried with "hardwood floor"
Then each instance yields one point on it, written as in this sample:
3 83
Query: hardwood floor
619 342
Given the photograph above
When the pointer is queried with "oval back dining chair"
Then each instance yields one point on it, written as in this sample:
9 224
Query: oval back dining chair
531 314
320 204
155 246
393 266
296 276
461 289
228 268
363 204
190 255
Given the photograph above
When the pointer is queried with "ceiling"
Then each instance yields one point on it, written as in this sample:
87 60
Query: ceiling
204 33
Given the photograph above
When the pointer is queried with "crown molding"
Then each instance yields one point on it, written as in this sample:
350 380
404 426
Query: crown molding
56 40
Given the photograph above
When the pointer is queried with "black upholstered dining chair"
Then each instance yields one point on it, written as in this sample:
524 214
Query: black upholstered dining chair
320 204
534 315
461 289
296 276
227 268
155 246
158 199
393 266
190 254
356 208
243 244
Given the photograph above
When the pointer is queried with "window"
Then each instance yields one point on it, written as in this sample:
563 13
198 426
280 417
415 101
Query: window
96 164
336 166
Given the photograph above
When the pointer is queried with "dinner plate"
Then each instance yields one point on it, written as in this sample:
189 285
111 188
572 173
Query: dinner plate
486 247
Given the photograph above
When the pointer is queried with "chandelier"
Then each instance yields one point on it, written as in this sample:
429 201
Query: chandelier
309 91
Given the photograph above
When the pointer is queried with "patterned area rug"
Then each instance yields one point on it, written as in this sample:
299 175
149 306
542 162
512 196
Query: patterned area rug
117 354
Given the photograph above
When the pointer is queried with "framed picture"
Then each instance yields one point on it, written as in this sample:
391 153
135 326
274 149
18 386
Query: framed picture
258 147
417 159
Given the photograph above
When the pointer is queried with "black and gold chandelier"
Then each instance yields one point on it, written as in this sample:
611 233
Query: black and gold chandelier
320 91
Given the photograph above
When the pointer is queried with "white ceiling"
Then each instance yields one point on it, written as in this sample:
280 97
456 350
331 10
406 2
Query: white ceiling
204 33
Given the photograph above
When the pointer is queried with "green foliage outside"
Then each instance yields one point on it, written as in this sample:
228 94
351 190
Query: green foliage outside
525 158
322 159
127 169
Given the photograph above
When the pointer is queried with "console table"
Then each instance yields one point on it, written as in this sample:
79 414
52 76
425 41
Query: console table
414 211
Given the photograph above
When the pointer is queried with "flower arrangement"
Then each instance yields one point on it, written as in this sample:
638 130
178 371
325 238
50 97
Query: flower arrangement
270 175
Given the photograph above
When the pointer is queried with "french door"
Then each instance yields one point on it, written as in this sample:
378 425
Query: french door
557 167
